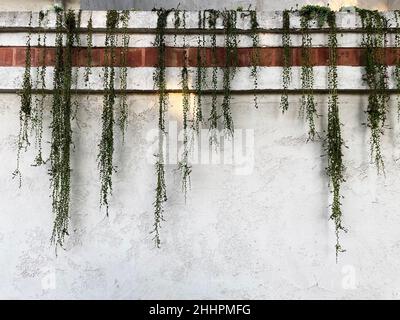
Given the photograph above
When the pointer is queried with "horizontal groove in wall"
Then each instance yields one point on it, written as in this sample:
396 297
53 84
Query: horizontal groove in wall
174 57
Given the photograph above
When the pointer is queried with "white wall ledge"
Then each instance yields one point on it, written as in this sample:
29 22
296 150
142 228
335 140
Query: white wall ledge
268 20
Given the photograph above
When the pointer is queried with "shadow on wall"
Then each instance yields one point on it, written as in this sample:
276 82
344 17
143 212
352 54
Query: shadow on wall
262 5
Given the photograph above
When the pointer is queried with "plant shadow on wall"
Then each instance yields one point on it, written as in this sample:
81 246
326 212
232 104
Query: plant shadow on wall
211 22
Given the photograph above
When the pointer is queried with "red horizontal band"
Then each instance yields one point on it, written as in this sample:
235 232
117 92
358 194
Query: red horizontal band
174 57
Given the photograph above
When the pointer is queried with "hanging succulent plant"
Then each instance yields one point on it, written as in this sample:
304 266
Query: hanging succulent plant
287 68
374 41
183 165
255 53
89 54
213 119
61 126
26 105
38 109
334 137
231 63
106 146
397 66
161 85
308 104
177 21
123 118
200 73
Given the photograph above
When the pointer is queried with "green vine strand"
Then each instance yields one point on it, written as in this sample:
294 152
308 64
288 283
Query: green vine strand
61 138
200 73
183 165
287 68
26 105
334 139
397 66
255 53
308 104
177 21
159 77
374 41
106 146
213 118
231 62
89 54
123 118
38 109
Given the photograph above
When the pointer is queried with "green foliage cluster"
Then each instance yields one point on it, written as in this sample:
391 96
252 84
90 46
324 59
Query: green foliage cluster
89 54
123 117
212 17
286 70
229 18
26 105
106 146
200 72
183 165
61 138
255 54
161 85
38 109
374 41
319 14
397 66
334 138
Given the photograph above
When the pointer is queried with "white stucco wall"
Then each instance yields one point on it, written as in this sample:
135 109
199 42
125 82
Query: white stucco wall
12 5
257 234
34 5
261 235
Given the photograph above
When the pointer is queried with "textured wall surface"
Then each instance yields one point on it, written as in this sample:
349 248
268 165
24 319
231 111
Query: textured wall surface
256 227
12 5
34 5
265 234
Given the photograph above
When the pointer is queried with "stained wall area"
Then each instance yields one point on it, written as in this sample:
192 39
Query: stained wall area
256 221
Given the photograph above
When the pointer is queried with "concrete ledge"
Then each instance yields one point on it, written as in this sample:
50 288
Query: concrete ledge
141 79
268 20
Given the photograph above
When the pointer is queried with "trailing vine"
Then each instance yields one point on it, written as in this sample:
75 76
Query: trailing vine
37 111
89 54
183 165
161 85
231 62
106 146
200 73
213 119
123 118
397 66
334 139
177 21
308 104
61 138
255 53
26 105
374 41
287 68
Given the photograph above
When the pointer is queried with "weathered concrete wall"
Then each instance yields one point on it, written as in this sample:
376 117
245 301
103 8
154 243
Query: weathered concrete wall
36 5
207 4
12 5
261 235
252 229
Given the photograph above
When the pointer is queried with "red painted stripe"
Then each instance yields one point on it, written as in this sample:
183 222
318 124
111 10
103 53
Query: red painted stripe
147 57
